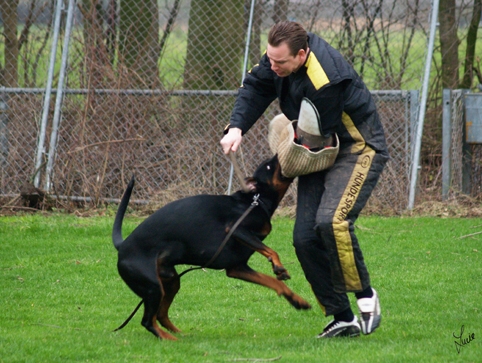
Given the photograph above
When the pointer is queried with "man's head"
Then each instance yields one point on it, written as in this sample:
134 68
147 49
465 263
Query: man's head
287 47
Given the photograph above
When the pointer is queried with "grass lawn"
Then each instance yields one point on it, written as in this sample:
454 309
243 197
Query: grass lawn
62 297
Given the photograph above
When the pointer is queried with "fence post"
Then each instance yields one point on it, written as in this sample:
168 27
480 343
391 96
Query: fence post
414 110
446 143
423 106
48 92
59 97
466 150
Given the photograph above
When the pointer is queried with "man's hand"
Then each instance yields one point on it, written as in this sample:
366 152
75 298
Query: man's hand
232 140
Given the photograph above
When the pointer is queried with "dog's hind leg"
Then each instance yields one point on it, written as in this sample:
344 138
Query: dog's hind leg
152 305
142 277
171 284
246 273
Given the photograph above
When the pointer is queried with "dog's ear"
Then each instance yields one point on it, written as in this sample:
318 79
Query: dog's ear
251 183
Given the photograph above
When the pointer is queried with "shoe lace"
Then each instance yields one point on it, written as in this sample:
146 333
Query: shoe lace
331 326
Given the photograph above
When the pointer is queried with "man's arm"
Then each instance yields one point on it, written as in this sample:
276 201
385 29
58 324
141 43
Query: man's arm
254 96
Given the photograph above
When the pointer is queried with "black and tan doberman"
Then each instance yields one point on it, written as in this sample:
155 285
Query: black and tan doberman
190 231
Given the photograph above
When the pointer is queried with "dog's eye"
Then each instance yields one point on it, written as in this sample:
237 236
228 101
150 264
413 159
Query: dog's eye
268 167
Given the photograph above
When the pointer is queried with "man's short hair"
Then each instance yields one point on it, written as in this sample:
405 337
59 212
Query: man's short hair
291 33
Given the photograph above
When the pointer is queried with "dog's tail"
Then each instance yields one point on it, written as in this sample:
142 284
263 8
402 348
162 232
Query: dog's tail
117 230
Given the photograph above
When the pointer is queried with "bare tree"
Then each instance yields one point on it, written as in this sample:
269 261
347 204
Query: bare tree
347 41
449 44
8 8
215 45
255 45
280 11
96 55
469 66
173 12
139 41
111 31
367 34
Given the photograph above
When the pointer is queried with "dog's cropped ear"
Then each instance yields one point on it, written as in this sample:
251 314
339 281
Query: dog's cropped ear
251 183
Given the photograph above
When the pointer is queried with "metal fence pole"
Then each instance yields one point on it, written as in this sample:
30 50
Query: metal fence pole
466 148
48 91
244 70
414 109
446 142
58 100
423 106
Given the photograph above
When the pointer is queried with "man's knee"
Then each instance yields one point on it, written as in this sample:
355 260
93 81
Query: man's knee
324 225
303 239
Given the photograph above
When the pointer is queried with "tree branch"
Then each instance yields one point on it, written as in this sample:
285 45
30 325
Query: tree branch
169 25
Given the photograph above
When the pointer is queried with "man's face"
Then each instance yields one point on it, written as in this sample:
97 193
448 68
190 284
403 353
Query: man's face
283 63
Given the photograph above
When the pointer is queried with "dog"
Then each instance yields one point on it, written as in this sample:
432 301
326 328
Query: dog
190 231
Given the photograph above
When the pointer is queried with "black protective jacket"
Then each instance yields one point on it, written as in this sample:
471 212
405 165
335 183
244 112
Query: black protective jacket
343 101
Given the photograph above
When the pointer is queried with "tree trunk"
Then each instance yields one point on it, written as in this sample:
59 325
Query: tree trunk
215 45
96 58
280 12
471 44
346 41
449 44
8 8
255 45
111 32
139 42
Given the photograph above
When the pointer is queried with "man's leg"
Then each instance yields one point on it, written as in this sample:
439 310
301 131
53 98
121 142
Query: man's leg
314 259
348 185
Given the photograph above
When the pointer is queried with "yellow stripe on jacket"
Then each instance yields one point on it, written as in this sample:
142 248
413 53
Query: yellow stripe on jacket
315 72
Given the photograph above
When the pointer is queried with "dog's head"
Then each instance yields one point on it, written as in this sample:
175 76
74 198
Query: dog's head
267 179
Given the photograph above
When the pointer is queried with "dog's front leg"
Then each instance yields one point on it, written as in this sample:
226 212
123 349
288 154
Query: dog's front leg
246 273
250 240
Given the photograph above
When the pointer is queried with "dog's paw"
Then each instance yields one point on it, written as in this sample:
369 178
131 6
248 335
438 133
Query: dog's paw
281 273
302 305
284 276
299 303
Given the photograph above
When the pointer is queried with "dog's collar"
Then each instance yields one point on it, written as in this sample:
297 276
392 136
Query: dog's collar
258 202
255 200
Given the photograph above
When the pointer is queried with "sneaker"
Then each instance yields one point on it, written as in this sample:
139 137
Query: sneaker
341 329
370 313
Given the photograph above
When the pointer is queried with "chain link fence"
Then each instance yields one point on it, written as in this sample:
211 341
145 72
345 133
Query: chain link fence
150 85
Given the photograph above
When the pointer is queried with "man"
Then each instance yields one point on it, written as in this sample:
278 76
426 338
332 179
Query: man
300 65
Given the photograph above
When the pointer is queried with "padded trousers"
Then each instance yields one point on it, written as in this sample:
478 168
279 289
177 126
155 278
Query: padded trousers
328 204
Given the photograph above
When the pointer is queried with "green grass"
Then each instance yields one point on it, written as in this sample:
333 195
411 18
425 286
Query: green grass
62 297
